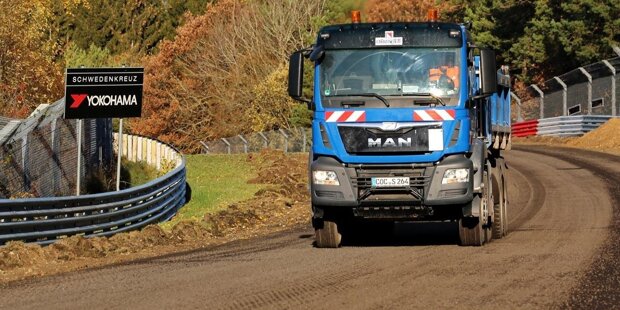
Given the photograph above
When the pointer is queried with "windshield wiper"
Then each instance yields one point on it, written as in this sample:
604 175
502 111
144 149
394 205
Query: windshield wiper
438 99
387 104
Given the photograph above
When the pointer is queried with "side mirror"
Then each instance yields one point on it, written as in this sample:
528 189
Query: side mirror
488 72
296 76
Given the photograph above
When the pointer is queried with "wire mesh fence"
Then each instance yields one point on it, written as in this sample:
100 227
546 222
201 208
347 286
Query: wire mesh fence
588 90
38 155
287 140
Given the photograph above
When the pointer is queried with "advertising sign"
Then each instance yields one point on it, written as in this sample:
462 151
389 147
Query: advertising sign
103 93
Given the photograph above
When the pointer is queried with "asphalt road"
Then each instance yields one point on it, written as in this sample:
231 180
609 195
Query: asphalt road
562 251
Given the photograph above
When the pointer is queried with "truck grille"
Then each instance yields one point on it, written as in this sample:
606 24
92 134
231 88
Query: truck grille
417 182
372 140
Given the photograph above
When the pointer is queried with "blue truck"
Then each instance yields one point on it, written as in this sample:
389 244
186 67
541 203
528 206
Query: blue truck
409 121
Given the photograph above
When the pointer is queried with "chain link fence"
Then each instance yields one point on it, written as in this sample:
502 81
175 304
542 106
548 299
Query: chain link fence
288 140
38 155
588 90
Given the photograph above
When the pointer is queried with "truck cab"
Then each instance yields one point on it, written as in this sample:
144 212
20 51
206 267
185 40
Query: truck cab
408 123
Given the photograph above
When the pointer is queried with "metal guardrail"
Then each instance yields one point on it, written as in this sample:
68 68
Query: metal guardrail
525 129
45 220
562 126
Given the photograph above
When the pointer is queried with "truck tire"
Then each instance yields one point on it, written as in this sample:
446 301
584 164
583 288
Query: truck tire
328 236
476 231
471 231
500 217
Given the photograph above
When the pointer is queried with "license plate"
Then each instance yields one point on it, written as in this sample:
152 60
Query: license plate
390 182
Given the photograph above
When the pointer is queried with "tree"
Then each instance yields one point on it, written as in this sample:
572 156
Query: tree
204 84
403 10
135 26
587 28
28 75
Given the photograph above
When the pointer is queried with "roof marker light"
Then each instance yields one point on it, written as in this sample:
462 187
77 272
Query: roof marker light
356 17
432 15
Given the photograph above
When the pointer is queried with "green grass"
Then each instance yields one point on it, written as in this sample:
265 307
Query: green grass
216 181
137 173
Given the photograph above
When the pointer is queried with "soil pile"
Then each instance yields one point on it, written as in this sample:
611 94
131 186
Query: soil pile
606 137
284 203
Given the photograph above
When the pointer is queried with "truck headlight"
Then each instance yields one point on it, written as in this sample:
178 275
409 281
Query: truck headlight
452 176
323 177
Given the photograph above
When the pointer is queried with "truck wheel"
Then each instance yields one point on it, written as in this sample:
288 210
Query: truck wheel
500 218
475 231
328 236
471 231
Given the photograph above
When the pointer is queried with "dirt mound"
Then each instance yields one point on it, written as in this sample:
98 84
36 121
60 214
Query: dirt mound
276 167
284 203
189 230
17 254
606 137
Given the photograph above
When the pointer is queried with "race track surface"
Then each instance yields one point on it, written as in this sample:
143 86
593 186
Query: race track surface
562 251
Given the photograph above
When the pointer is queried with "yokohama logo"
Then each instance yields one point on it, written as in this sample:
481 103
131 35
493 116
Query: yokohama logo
434 115
103 100
345 116
77 100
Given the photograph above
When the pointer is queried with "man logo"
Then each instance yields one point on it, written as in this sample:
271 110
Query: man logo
389 142
77 100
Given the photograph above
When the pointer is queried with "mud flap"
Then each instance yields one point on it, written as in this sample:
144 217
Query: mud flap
472 209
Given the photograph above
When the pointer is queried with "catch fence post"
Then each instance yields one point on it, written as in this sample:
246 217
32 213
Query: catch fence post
584 72
245 144
55 167
285 140
515 97
206 147
303 138
265 140
614 110
542 100
564 96
227 144
25 164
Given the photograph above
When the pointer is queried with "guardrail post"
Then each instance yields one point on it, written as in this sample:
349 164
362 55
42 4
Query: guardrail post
542 100
245 144
564 95
519 116
205 146
589 88
614 110
285 140
227 144
265 140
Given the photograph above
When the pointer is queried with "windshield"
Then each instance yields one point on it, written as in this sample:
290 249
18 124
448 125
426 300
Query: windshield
418 72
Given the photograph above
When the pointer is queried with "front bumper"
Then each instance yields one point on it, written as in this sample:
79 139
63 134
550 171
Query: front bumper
425 187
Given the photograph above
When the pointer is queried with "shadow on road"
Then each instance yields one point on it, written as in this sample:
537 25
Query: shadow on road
401 234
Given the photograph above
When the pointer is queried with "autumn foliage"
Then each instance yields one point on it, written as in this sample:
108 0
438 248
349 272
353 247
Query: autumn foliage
225 73
403 10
